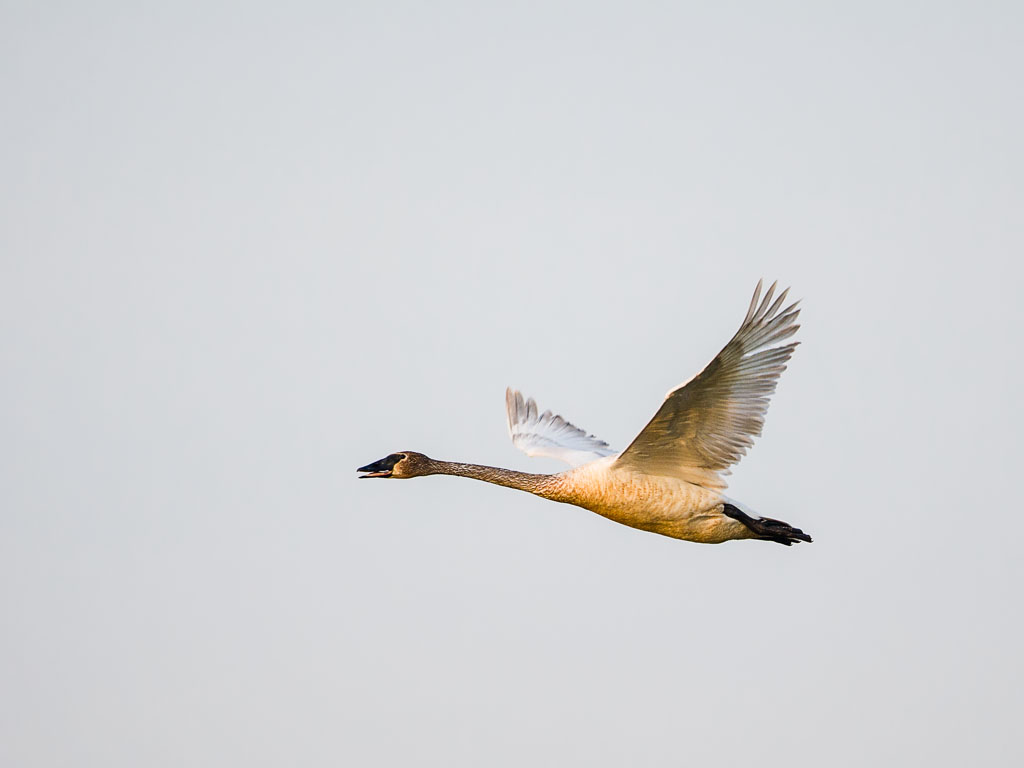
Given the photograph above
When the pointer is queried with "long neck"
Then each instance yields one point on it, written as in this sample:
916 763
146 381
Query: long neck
541 485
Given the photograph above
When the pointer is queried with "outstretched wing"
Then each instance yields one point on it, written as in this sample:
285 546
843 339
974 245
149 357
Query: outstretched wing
706 425
549 435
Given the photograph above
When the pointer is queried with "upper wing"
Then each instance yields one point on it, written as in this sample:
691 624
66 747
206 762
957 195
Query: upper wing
549 435
706 425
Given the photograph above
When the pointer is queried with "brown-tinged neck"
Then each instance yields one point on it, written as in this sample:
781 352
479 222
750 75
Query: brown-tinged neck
541 485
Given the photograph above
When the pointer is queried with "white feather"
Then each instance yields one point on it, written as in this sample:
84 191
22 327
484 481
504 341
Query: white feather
546 434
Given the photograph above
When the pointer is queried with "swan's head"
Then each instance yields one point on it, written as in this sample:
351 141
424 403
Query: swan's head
404 464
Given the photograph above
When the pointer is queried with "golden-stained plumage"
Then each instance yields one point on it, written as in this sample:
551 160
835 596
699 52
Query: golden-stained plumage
653 503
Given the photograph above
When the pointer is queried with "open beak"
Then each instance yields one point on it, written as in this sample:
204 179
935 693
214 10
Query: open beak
380 468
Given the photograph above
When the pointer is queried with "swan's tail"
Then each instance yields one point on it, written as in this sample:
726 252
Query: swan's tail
766 528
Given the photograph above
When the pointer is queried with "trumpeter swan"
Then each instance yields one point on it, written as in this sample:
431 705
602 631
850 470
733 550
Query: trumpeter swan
670 478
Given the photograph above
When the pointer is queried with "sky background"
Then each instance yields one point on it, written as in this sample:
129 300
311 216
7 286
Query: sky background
249 247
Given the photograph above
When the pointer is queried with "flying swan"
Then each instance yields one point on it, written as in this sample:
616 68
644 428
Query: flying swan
670 480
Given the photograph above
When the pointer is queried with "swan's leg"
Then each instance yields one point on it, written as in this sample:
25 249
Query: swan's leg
766 528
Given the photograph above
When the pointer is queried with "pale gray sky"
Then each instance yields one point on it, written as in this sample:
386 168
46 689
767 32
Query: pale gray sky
247 248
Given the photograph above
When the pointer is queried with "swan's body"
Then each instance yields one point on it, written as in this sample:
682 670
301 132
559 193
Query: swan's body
655 503
670 479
